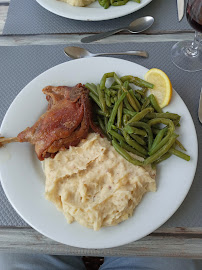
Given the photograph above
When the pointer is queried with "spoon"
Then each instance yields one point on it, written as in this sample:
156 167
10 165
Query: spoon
137 26
77 52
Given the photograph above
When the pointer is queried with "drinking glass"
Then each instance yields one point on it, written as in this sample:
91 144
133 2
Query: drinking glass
187 55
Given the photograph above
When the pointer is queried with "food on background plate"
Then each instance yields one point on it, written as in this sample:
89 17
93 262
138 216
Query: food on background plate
94 185
104 3
94 180
78 3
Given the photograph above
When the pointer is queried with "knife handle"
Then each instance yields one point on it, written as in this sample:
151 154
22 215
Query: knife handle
136 53
100 36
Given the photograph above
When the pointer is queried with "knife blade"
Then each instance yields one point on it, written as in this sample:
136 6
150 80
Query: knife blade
200 108
180 9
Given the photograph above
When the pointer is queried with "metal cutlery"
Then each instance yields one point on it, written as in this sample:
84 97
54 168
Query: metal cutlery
180 9
77 52
137 26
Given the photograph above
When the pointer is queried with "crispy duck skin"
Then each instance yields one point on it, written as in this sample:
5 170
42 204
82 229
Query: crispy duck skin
66 122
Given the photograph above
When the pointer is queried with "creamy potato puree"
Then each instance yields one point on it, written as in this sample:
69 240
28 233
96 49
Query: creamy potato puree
94 185
78 3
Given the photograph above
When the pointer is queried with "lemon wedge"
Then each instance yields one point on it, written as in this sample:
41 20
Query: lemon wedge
162 86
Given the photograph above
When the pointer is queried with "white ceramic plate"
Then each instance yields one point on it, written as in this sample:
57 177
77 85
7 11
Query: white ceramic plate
23 179
93 12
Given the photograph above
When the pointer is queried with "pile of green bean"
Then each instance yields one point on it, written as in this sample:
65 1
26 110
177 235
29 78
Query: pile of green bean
107 3
133 121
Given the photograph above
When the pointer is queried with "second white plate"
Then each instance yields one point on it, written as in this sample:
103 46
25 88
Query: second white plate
93 12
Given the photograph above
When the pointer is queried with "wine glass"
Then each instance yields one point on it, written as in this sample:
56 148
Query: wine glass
187 55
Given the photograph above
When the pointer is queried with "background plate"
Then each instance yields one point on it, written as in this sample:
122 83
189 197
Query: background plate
23 179
93 12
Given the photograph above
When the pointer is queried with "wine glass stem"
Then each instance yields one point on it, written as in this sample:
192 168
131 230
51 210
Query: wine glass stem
193 50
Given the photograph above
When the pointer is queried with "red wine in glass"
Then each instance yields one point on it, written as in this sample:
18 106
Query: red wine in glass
194 14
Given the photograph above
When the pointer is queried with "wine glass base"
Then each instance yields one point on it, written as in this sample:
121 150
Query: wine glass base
183 60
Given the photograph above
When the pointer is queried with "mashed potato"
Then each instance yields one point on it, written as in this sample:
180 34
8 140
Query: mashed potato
78 3
95 186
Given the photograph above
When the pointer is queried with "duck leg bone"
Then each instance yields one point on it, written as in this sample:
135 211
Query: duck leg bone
4 140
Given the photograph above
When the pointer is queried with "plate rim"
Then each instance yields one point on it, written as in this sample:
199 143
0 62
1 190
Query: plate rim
94 245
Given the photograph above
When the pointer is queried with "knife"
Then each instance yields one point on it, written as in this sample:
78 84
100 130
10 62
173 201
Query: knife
180 9
200 108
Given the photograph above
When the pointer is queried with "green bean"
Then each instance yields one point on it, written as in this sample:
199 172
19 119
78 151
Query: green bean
120 111
120 3
162 150
137 1
101 124
163 121
131 149
167 137
137 81
138 96
114 111
177 122
159 137
131 101
125 119
113 93
172 116
125 154
101 2
92 88
140 115
140 92
148 130
108 101
100 112
94 85
134 144
136 101
133 130
162 158
107 92
144 90
112 100
179 154
138 139
101 95
96 99
127 105
142 101
117 79
115 128
115 87
130 98
125 111
180 145
107 4
146 103
106 122
155 103
126 84
104 77
110 92
117 135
